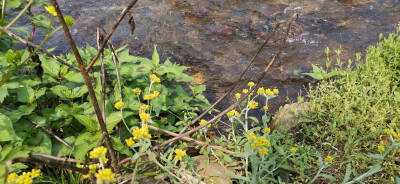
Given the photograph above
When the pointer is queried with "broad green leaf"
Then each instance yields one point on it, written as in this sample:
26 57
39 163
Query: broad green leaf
120 147
60 149
13 3
25 56
9 152
228 159
85 120
61 91
84 143
79 91
40 143
114 118
74 77
25 94
50 66
6 129
328 176
348 172
174 71
3 93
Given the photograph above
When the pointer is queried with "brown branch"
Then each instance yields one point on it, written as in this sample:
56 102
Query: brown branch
123 13
65 159
48 132
103 82
240 100
234 85
115 60
16 37
114 162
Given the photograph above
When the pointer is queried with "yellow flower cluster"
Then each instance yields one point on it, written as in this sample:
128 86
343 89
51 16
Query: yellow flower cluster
144 116
262 141
396 136
238 95
105 175
130 142
381 148
151 96
251 84
99 152
270 92
245 91
119 105
141 133
143 108
265 108
253 104
51 10
263 151
202 122
154 78
137 91
179 154
260 90
257 142
233 113
293 150
267 130
329 159
252 137
24 178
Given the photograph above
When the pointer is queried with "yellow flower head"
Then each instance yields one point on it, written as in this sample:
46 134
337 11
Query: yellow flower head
233 113
202 122
104 175
252 137
269 92
253 104
154 94
141 133
251 84
130 142
154 78
12 177
93 167
253 146
245 91
329 159
98 152
263 151
265 108
276 91
86 176
119 105
25 178
238 95
144 116
143 108
51 10
137 91
293 150
262 141
35 173
179 154
260 90
381 148
146 97
267 130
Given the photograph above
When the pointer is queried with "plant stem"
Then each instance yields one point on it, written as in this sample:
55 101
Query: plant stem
18 16
317 175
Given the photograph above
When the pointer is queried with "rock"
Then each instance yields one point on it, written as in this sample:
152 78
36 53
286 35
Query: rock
290 116
214 168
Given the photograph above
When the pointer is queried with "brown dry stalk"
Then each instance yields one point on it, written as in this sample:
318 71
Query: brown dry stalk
245 96
114 162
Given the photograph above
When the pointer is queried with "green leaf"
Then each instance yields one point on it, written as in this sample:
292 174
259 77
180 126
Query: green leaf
235 176
376 168
120 147
174 71
79 91
328 176
228 159
60 149
155 58
376 156
13 3
114 118
397 180
61 91
85 120
50 66
40 143
9 152
25 94
348 172
25 56
3 93
74 77
6 129
84 143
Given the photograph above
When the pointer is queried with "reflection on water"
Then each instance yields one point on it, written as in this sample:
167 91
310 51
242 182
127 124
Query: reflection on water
218 37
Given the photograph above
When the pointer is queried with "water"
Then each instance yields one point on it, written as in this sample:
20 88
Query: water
219 37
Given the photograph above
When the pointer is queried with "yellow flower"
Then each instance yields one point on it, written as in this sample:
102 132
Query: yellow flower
245 91
381 148
119 105
267 130
276 91
98 152
260 90
147 97
238 95
253 104
143 108
35 173
144 116
141 133
137 91
12 177
202 122
130 142
252 137
293 150
105 175
263 151
93 167
265 108
253 146
51 10
85 176
262 141
329 159
251 84
269 92
179 154
233 113
154 78
25 178
154 94
79 166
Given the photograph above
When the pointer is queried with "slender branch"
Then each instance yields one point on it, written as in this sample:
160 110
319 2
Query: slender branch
192 140
123 13
237 81
114 162
245 96
20 14
103 82
65 159
115 60
48 132
16 37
